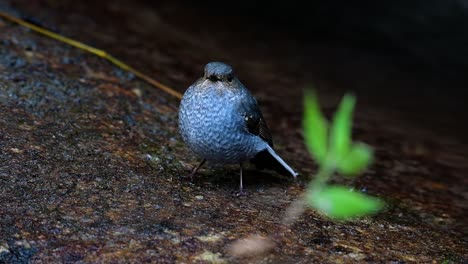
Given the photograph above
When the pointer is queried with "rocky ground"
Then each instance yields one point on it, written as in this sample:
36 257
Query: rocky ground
92 165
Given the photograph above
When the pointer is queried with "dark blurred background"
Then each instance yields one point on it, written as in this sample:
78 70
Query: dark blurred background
420 36
410 56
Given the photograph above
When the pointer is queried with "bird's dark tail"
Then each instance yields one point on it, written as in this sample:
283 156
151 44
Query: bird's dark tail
268 159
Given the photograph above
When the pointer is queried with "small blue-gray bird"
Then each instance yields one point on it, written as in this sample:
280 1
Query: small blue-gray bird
221 122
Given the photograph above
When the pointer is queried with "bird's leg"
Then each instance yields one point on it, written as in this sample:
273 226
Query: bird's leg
194 171
241 186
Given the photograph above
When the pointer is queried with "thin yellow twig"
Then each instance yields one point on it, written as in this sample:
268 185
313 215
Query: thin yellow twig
95 51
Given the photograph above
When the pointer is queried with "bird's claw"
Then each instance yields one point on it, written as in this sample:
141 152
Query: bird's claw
240 193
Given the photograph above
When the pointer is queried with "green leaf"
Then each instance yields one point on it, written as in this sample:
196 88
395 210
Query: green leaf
315 128
356 161
340 134
339 203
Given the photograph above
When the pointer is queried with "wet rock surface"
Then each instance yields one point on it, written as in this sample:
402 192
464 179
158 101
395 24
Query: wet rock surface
92 166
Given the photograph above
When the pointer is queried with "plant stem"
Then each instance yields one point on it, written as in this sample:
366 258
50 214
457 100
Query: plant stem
325 172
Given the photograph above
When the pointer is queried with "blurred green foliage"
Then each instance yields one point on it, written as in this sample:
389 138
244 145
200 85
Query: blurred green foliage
332 148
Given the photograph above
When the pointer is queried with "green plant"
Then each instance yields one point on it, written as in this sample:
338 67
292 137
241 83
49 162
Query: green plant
332 148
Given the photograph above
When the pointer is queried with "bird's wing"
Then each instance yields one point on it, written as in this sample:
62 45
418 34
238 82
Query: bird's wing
253 119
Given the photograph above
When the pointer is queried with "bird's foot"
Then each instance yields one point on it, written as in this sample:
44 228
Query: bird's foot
191 175
240 193
194 171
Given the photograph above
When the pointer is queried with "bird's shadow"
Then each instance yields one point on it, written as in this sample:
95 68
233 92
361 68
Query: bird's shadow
228 177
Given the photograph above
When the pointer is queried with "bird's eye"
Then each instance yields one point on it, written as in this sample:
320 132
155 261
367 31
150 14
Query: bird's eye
229 79
213 78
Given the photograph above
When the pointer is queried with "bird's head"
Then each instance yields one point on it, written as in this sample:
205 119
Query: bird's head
219 72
